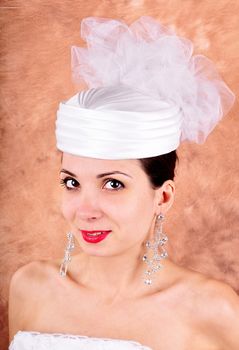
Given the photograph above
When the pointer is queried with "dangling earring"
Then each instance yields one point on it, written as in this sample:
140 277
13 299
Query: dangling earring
67 257
153 260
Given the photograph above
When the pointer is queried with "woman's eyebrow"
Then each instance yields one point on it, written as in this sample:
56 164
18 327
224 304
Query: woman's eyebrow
67 172
98 176
112 173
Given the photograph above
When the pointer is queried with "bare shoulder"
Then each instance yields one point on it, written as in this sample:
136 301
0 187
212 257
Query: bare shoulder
208 306
222 300
218 309
29 276
26 285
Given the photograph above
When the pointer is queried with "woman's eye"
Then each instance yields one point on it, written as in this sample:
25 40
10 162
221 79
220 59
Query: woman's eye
112 184
69 183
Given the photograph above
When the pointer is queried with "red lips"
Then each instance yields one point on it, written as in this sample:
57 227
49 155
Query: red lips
94 236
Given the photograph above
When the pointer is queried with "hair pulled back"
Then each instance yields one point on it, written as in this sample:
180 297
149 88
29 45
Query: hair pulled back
160 168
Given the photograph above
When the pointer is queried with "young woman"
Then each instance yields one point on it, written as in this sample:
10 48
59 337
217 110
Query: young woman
118 141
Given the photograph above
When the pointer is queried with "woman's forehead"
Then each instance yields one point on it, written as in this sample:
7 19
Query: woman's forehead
77 164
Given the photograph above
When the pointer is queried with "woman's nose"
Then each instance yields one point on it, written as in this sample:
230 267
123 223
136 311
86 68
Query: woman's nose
88 208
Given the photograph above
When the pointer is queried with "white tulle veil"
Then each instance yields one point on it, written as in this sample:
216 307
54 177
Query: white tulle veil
140 77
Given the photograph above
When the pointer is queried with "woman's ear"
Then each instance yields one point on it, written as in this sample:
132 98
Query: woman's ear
165 197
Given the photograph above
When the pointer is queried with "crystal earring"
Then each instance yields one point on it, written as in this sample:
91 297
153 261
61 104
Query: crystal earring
67 257
156 251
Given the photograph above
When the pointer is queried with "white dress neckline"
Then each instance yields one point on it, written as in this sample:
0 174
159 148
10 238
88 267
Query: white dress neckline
133 343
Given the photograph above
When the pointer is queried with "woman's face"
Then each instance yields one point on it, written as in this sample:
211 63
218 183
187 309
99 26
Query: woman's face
110 204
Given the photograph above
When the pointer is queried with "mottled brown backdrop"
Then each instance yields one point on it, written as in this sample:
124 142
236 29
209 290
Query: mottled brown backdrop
35 75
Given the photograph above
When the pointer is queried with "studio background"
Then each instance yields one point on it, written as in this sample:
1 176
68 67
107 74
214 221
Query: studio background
35 76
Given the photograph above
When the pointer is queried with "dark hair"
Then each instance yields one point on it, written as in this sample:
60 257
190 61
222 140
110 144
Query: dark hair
160 168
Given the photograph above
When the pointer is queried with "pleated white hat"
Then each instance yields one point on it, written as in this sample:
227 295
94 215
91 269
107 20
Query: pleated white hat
147 92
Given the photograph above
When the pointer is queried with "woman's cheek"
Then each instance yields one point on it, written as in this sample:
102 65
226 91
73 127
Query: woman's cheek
67 209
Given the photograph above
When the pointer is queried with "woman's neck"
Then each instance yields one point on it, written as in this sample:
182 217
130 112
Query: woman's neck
112 276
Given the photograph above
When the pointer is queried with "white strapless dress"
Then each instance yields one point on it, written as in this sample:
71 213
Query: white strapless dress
25 340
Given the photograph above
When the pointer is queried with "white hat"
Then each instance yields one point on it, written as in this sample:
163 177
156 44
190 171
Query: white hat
147 92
